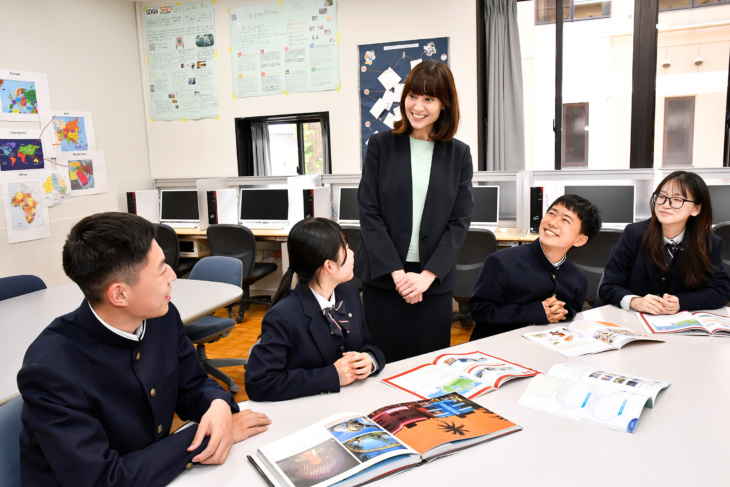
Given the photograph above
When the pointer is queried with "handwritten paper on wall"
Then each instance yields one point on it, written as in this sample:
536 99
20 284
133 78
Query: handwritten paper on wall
287 48
181 61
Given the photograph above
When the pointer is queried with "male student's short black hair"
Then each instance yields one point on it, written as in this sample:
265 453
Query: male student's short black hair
587 213
106 248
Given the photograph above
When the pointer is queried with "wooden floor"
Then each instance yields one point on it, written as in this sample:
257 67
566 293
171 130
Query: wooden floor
245 334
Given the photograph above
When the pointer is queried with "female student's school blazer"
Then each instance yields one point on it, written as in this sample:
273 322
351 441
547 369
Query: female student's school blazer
297 351
630 272
386 210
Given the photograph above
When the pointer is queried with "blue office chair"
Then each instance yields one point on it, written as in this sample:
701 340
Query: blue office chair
10 426
13 286
479 243
209 329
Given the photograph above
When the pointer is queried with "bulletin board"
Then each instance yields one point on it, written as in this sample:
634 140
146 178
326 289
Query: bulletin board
383 70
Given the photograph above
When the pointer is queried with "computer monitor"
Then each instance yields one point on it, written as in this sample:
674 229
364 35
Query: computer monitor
616 203
486 206
720 197
179 206
349 210
261 206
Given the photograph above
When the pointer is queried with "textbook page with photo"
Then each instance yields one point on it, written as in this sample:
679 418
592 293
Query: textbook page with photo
585 337
592 395
470 374
686 323
350 449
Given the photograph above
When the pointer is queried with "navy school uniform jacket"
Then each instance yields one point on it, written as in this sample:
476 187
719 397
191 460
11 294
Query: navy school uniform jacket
515 281
297 351
386 211
630 272
98 407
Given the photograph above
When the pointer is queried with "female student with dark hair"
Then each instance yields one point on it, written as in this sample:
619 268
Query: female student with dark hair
415 207
672 261
314 338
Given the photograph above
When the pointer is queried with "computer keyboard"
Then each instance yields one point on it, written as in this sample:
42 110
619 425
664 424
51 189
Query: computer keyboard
183 225
264 225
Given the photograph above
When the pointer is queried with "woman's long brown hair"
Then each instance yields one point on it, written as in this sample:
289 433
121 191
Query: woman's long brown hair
697 242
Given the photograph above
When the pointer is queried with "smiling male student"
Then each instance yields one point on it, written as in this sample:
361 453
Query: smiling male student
101 384
536 283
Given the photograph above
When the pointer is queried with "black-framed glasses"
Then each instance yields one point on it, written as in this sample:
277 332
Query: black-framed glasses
675 202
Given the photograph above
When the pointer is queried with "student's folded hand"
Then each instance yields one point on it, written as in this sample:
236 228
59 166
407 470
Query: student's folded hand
554 309
362 364
218 425
655 305
344 370
248 423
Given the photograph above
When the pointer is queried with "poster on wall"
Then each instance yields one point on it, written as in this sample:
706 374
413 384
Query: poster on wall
23 95
181 61
55 187
21 150
65 131
384 68
26 217
291 47
86 171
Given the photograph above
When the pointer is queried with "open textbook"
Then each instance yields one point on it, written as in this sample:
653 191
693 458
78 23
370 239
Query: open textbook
686 323
592 395
586 337
350 449
469 374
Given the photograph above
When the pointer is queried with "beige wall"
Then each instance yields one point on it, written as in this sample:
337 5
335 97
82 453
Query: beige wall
359 23
88 48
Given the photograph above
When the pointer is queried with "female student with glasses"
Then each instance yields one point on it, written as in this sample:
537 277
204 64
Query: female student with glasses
672 261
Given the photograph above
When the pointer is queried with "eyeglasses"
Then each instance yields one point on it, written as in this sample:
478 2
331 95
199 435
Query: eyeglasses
675 202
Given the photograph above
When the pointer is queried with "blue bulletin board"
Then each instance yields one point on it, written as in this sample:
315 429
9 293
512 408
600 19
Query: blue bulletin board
383 70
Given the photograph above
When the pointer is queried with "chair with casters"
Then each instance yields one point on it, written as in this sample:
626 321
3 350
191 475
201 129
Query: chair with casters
478 245
170 245
10 426
352 233
722 230
239 242
592 257
14 286
209 329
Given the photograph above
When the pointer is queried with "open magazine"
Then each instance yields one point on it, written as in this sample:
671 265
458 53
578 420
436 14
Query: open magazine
350 449
585 337
609 399
469 374
686 323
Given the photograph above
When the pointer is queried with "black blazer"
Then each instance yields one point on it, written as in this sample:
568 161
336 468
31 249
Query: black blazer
296 355
629 271
386 208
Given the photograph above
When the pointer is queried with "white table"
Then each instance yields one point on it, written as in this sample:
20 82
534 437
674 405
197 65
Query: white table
683 441
24 317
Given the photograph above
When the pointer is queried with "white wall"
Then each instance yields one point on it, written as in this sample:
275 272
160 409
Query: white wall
89 50
207 148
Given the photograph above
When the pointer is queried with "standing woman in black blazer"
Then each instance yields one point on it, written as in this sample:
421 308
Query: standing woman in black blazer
415 208
673 261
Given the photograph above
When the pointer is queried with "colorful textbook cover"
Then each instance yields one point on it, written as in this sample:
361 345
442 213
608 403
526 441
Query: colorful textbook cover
351 449
470 374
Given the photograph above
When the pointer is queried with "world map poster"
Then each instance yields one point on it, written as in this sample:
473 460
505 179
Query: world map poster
23 95
25 214
86 171
65 131
21 150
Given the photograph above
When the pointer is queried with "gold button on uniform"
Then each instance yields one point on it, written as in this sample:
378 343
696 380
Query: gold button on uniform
188 466
153 392
137 357
159 429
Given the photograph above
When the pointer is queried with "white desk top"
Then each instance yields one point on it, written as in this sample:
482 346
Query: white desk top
24 317
682 441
